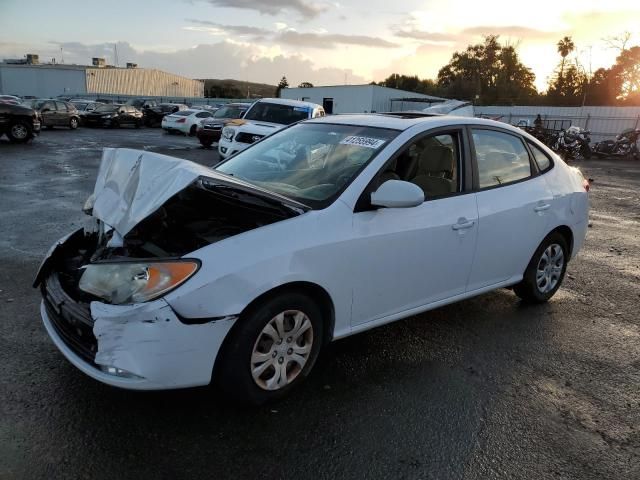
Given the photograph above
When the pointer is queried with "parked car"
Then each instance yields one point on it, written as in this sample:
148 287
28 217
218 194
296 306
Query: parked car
12 99
153 115
18 122
264 118
329 227
210 129
84 108
55 113
142 103
184 121
114 116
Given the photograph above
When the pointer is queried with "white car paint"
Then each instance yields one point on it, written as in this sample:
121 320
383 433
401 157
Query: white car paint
184 121
254 130
376 266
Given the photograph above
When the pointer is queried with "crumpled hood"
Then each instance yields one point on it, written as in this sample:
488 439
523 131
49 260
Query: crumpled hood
132 184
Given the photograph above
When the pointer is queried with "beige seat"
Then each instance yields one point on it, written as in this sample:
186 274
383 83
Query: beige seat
436 171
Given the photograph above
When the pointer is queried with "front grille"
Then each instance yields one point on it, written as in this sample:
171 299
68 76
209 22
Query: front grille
72 320
248 137
212 127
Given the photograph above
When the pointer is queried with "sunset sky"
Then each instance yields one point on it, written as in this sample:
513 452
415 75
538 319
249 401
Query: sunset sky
323 42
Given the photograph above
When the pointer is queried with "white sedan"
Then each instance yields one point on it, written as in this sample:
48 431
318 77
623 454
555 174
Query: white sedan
330 227
184 121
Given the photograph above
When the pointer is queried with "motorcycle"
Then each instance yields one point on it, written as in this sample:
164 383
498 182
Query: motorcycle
573 143
625 145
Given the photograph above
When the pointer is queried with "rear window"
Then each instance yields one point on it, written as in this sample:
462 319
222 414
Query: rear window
276 113
184 113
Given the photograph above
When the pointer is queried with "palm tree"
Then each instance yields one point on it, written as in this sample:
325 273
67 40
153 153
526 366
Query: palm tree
565 47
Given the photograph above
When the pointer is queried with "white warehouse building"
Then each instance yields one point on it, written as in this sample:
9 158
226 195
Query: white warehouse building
52 80
361 98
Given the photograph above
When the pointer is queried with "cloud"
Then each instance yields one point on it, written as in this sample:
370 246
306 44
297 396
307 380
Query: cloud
425 36
274 7
221 29
512 31
223 59
321 40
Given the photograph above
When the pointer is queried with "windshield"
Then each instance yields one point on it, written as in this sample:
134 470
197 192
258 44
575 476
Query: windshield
106 108
230 112
276 113
310 162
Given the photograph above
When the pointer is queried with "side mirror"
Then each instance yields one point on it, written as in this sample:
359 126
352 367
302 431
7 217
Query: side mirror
397 194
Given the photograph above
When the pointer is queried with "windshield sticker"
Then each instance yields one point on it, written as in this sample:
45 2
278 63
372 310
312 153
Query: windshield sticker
301 109
367 142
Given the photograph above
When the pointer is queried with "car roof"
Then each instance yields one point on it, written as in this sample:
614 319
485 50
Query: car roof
286 101
397 121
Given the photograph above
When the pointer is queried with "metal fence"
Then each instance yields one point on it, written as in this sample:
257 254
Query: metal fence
604 122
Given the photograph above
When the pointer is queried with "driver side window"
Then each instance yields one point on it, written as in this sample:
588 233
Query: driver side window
431 162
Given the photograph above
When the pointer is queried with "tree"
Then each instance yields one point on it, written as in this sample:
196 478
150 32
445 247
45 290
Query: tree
565 47
568 89
488 73
283 84
305 85
626 75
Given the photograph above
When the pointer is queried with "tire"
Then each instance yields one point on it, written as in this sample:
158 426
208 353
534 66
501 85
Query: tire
19 132
49 127
73 123
138 124
115 124
247 341
206 143
193 130
550 276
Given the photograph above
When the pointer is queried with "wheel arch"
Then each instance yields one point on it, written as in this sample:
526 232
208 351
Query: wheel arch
312 290
567 233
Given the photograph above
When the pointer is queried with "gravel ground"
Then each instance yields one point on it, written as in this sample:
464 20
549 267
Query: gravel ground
487 388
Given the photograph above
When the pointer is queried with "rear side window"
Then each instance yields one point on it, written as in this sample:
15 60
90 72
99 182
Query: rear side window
203 115
541 158
501 158
61 106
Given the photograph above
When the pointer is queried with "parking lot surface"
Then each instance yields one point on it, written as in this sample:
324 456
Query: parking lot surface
487 388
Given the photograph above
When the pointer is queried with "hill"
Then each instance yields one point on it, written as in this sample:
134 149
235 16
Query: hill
229 88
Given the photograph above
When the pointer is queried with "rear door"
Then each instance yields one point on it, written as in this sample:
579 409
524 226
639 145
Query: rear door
62 114
513 206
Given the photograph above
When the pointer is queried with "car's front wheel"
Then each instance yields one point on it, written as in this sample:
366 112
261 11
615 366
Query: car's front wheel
19 132
272 348
73 123
545 271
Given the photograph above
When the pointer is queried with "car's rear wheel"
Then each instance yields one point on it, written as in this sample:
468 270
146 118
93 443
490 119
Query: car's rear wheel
19 132
115 124
545 271
206 143
73 123
193 130
272 348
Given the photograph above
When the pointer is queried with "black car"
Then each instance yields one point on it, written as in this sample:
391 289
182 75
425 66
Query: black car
142 103
20 123
85 107
113 116
55 113
153 115
210 129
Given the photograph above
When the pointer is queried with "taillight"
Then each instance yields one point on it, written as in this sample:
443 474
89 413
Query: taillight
586 185
182 120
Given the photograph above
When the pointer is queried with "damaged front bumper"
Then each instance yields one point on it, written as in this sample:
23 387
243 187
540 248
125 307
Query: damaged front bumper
144 346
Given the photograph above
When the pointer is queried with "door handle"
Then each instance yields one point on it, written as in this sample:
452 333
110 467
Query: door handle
542 208
463 225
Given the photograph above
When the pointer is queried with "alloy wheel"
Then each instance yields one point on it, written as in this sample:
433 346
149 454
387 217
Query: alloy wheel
282 350
550 268
19 131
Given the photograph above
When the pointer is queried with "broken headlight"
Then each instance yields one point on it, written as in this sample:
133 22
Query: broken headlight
135 282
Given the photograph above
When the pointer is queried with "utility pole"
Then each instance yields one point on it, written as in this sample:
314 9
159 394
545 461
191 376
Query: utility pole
115 51
62 54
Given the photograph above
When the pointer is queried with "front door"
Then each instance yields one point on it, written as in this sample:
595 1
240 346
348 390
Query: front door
513 206
410 257
48 113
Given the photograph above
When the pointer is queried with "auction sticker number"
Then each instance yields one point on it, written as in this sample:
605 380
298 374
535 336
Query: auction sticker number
366 142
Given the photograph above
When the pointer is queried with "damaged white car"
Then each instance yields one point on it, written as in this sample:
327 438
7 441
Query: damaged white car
329 227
